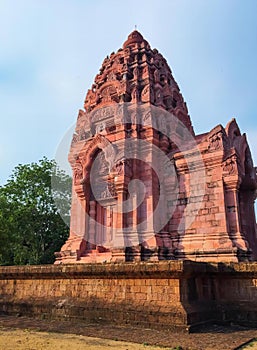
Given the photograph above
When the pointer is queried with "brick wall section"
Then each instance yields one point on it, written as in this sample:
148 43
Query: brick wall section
169 293
143 293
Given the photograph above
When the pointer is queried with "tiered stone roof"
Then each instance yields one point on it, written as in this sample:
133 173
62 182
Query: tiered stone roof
138 74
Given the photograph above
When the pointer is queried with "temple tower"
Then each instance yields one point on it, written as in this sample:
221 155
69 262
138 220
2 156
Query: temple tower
145 187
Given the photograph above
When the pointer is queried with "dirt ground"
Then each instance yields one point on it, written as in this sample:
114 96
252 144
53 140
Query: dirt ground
23 339
250 346
24 333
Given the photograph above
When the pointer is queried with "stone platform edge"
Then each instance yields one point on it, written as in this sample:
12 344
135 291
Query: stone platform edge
172 294
161 269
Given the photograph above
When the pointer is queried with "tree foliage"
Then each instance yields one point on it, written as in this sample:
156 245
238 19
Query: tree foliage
31 227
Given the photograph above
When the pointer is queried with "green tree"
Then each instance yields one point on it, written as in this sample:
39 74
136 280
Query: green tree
32 228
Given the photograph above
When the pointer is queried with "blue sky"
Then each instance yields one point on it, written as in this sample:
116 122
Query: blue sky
50 52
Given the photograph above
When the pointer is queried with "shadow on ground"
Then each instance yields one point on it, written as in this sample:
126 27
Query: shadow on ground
212 337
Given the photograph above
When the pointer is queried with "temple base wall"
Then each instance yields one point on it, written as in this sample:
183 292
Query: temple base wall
169 294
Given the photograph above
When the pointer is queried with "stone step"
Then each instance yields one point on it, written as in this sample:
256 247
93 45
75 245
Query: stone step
94 256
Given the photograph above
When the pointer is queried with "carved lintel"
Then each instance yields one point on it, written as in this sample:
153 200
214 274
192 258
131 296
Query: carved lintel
102 113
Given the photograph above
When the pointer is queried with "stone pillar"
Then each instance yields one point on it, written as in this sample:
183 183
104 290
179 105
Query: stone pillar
252 223
100 226
92 225
118 241
232 183
75 246
109 228
120 238
147 212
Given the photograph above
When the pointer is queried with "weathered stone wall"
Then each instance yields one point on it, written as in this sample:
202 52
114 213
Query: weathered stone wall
175 293
235 291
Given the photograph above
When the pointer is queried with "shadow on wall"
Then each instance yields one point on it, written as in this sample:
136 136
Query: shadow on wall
221 292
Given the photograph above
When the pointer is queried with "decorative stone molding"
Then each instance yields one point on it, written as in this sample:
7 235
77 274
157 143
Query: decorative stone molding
217 139
101 142
78 172
230 165
123 167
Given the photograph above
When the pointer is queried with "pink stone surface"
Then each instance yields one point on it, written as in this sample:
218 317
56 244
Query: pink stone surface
145 187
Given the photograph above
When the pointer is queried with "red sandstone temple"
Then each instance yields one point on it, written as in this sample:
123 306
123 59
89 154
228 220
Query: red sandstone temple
145 187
